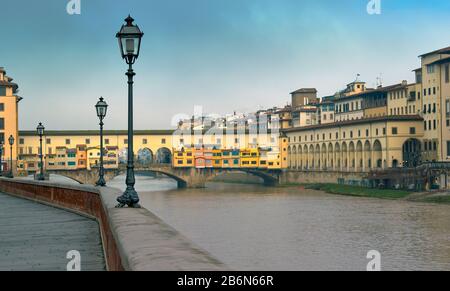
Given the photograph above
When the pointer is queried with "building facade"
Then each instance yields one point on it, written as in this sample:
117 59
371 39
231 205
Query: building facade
434 80
402 125
72 150
355 145
9 112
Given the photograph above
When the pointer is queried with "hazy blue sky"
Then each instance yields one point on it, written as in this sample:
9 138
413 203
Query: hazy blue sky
225 55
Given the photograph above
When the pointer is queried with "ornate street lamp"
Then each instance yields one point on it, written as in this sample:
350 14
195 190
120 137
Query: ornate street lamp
11 143
129 38
101 108
40 131
1 158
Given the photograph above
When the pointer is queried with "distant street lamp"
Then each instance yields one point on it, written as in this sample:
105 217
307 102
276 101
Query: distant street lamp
11 143
101 108
129 38
40 131
1 159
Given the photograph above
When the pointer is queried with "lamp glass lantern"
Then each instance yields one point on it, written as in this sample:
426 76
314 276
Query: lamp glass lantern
102 108
40 129
129 38
11 140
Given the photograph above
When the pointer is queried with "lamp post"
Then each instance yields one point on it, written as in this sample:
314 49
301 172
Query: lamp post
11 143
1 159
40 131
101 108
129 38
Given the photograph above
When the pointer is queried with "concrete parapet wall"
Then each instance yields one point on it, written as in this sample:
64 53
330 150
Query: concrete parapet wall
133 239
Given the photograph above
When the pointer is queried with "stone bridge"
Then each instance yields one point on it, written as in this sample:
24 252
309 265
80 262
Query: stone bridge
185 177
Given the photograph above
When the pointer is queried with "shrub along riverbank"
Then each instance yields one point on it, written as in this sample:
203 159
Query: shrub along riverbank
437 199
359 191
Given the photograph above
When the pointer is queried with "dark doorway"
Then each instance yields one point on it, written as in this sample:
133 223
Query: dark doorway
411 153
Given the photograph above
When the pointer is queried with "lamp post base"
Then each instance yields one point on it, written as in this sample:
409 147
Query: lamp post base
101 182
40 177
129 198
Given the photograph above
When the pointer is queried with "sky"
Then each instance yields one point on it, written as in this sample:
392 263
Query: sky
223 55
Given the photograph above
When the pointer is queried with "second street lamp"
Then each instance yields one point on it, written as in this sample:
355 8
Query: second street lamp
129 38
11 143
40 131
101 108
1 159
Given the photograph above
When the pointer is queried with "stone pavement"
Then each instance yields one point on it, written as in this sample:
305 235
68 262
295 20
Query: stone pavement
37 237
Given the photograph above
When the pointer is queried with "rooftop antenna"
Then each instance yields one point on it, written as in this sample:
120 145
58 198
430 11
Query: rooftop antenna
380 80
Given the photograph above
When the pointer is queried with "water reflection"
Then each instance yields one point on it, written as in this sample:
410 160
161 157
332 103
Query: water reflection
250 227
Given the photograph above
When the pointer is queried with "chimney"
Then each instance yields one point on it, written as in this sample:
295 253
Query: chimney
2 74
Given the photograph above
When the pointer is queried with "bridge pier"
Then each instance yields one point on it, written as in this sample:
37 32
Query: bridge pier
182 185
271 183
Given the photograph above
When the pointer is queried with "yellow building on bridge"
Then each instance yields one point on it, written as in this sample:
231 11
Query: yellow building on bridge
71 150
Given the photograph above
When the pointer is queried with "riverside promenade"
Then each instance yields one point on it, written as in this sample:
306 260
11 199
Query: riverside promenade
37 237
40 222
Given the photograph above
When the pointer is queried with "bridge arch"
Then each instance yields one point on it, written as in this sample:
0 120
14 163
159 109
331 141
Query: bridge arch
145 157
269 180
182 183
164 156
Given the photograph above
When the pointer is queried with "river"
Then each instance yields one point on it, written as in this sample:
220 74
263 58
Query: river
252 227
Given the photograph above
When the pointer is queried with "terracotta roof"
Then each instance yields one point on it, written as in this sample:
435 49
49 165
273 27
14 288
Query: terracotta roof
381 89
5 83
305 90
357 121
